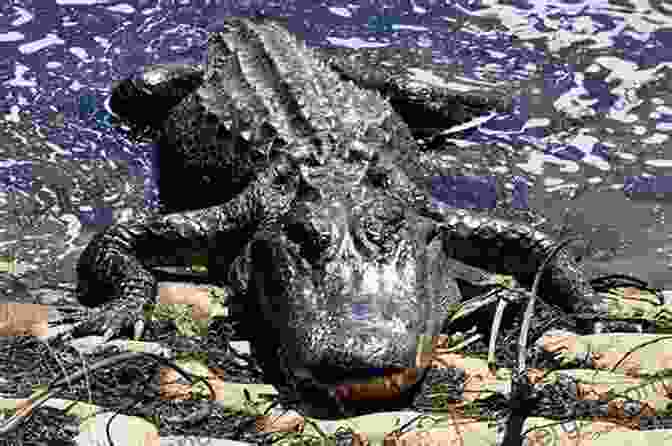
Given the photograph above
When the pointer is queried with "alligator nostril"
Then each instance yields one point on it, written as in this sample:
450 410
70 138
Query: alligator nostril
362 241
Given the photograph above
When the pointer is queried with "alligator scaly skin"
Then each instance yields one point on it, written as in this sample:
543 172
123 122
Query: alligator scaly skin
490 243
323 207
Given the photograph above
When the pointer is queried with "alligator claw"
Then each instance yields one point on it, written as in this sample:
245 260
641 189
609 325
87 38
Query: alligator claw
114 320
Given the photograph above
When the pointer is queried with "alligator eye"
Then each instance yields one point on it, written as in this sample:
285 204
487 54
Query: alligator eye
380 224
312 243
367 241
312 239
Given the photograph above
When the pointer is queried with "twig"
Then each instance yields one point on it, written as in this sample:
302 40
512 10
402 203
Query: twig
16 420
510 422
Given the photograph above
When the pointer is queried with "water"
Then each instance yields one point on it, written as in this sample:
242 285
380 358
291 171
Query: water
64 173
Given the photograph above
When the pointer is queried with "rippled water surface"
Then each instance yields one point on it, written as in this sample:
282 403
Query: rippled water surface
64 173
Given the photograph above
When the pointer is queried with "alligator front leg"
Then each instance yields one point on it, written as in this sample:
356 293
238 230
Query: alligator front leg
485 243
508 247
114 269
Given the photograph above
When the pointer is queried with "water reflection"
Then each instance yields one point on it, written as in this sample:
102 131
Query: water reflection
586 143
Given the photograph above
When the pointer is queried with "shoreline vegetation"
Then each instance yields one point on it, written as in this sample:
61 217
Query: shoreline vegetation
606 387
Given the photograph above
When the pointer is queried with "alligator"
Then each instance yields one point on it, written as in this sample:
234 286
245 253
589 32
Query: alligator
302 182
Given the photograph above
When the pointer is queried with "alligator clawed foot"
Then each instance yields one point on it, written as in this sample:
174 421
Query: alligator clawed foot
114 319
